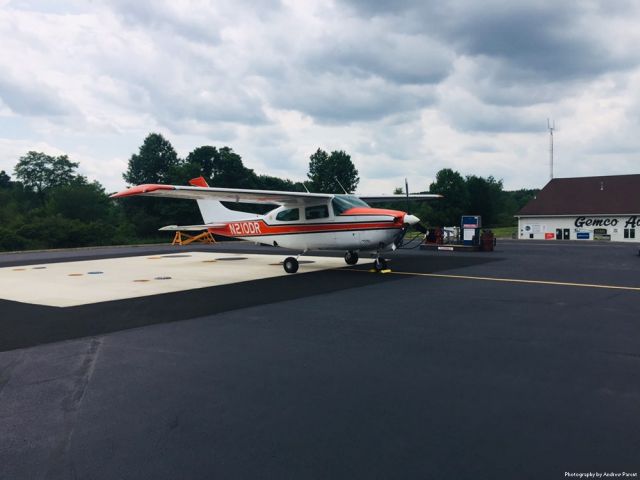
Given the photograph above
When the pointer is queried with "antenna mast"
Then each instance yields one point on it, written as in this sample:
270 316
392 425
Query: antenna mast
551 126
343 189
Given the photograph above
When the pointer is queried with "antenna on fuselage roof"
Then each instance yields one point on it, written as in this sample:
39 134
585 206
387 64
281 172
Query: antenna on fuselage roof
343 189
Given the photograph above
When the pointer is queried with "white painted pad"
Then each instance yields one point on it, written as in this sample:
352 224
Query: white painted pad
68 284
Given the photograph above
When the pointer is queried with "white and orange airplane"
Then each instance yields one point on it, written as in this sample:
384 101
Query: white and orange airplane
302 221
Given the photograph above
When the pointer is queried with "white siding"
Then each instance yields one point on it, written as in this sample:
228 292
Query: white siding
601 227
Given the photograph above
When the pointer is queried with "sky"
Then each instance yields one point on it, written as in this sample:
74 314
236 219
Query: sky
406 87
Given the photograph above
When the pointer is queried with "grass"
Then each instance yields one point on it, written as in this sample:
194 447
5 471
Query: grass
499 232
504 232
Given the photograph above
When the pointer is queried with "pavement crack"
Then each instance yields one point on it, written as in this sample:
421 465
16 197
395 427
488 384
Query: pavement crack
60 465
7 372
622 354
83 376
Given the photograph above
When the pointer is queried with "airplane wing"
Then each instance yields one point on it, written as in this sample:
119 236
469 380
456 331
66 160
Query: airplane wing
397 198
270 197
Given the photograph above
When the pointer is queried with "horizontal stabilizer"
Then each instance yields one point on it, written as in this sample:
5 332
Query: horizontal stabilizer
191 228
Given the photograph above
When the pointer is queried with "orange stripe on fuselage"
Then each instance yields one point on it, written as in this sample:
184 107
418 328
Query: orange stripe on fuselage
362 211
257 228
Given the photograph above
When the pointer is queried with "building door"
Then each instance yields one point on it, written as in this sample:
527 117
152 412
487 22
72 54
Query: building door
558 234
566 233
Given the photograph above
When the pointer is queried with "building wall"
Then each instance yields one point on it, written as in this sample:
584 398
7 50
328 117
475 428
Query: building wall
625 228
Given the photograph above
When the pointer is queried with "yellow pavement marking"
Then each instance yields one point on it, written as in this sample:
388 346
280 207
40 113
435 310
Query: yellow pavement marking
509 280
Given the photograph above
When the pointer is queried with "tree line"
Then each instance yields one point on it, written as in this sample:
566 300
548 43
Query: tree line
473 195
48 204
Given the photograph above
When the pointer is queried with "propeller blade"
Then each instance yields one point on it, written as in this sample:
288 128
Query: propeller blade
400 237
419 227
406 192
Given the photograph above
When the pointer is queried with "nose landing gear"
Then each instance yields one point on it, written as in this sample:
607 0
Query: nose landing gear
380 264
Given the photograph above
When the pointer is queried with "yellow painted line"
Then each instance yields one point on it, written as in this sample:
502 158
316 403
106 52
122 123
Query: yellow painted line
509 280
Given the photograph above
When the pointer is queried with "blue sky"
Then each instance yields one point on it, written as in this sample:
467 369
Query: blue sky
406 87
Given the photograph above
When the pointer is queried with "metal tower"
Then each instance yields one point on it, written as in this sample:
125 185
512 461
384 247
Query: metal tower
551 126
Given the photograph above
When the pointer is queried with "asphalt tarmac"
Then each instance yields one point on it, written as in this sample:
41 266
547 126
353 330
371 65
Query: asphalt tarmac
521 363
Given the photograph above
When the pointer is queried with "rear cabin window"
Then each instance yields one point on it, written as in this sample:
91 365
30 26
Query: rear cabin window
317 211
288 215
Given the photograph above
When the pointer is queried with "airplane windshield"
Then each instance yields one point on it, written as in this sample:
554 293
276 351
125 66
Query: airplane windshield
342 203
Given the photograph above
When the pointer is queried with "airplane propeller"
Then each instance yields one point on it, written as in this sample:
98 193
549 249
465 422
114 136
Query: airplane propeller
410 221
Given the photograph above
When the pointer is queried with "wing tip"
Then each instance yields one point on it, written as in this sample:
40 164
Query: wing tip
141 189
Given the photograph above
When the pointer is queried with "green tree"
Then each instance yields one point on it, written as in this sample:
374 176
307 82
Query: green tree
220 167
38 171
485 198
5 180
511 203
156 162
267 182
80 200
204 159
60 232
448 210
327 172
229 171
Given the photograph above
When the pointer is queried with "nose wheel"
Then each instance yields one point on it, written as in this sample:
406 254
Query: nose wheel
290 265
351 257
380 264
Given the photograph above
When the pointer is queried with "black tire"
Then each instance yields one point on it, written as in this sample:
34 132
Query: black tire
351 257
290 265
380 264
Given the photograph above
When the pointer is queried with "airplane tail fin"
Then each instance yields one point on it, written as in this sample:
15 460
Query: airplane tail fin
214 211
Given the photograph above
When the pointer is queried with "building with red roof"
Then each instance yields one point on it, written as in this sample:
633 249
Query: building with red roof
584 208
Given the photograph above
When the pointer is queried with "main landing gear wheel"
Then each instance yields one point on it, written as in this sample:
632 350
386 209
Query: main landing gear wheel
380 264
290 265
351 257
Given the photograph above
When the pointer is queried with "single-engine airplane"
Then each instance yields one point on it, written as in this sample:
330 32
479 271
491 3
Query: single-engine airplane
302 221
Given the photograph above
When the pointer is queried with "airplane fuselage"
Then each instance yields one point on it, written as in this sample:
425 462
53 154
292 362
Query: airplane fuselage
318 226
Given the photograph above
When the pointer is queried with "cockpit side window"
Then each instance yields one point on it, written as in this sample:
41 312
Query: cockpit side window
289 215
317 211
342 203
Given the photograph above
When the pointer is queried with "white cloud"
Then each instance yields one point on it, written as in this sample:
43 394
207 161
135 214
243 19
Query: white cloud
405 88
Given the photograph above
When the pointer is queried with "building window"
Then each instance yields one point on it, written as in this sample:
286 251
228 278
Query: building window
629 233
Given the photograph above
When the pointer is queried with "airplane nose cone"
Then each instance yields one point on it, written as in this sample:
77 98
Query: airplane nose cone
411 219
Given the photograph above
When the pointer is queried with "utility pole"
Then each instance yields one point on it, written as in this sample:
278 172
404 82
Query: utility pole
551 126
